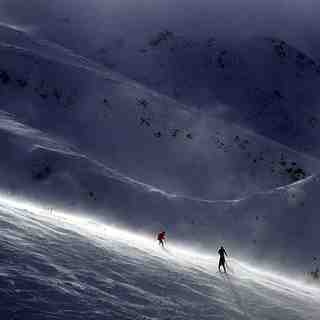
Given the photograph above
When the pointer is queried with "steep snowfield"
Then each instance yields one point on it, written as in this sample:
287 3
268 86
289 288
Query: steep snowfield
253 63
78 136
93 123
123 125
57 266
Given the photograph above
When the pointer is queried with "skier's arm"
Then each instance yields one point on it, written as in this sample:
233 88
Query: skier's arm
225 253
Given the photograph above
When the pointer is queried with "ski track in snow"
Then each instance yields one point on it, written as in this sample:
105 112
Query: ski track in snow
56 266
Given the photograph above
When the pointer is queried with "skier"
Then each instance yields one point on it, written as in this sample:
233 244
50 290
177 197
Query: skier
162 238
222 260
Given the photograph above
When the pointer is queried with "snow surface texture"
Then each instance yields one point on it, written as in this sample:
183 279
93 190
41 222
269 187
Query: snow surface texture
94 149
56 266
137 131
147 122
254 63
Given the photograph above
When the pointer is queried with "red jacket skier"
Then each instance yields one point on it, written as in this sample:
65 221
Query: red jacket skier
162 238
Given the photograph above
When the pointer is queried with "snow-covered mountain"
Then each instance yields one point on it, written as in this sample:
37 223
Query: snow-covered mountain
79 136
255 63
135 130
262 83
76 135
148 123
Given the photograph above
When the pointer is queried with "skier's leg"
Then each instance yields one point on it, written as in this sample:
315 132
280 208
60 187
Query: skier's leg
224 267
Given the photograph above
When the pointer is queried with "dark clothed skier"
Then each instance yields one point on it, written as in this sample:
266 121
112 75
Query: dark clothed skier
222 261
162 238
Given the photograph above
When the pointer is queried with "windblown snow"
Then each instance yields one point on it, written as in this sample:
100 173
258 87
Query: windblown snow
60 266
114 126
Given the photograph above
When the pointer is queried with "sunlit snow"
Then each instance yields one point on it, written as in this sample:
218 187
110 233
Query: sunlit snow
119 274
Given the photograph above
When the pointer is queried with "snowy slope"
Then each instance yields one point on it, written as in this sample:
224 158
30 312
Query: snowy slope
134 130
256 63
77 135
93 122
56 266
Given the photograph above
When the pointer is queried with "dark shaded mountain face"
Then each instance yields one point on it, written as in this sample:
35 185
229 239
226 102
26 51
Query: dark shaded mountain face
124 126
263 84
253 64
